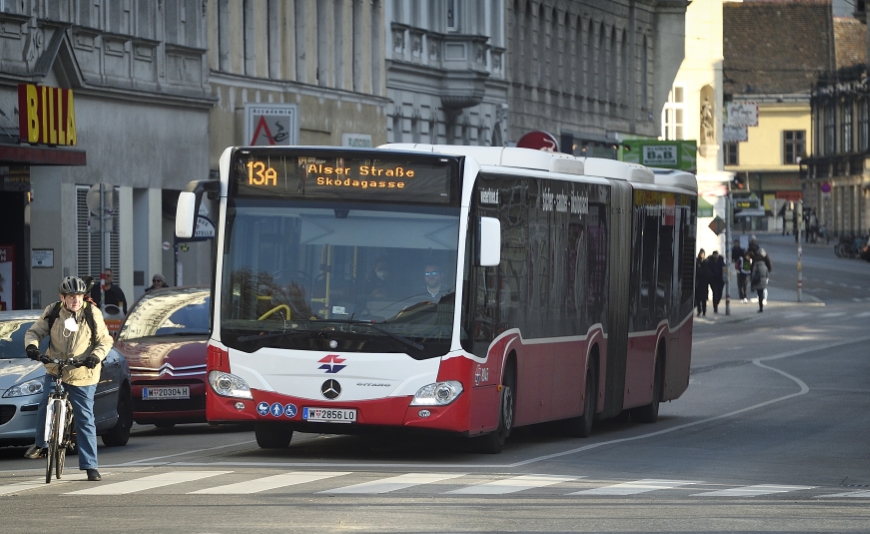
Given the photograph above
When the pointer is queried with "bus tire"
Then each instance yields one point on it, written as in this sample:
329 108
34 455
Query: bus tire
581 427
650 412
272 436
493 443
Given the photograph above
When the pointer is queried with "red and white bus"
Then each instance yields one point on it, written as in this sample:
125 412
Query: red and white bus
463 289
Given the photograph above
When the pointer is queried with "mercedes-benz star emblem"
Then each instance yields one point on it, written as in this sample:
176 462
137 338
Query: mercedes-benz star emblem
330 389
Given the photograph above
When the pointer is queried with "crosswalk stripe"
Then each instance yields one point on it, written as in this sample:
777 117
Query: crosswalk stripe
40 483
146 483
752 491
864 314
387 485
514 484
864 494
632 488
268 483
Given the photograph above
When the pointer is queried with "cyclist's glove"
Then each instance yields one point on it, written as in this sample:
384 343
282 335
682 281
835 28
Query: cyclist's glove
33 352
91 361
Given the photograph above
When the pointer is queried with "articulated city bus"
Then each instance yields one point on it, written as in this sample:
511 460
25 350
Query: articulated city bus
470 290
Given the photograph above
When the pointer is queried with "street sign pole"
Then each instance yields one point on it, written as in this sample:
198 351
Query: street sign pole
800 215
728 258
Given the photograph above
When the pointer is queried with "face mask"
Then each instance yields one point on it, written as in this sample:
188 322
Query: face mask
381 274
70 326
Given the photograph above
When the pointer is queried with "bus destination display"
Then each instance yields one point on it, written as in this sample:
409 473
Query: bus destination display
343 178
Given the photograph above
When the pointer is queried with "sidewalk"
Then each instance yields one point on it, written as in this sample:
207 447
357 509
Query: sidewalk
778 300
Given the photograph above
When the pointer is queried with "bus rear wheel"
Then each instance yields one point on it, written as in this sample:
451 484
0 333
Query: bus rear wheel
272 436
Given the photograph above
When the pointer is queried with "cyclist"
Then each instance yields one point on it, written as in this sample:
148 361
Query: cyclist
77 331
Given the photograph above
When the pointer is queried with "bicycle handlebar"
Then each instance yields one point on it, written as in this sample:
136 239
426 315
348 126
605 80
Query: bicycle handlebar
71 362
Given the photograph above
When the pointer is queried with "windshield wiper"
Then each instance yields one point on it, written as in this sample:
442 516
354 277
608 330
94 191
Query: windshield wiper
371 325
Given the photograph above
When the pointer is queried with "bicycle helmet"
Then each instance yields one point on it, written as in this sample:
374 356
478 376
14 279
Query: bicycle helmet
72 285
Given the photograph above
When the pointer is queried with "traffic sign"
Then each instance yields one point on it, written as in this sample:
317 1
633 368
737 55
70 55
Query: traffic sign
717 225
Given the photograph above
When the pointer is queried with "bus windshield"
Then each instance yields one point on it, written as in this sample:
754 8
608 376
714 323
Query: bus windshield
349 277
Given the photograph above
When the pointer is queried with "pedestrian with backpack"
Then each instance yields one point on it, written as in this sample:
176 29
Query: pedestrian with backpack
76 329
759 276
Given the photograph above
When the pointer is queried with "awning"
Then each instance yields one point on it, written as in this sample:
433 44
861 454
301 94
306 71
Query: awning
705 209
27 155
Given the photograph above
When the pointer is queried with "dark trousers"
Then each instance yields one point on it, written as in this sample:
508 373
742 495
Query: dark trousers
760 299
742 279
701 299
717 295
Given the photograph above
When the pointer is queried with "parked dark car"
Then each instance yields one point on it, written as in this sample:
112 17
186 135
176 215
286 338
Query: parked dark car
21 382
164 338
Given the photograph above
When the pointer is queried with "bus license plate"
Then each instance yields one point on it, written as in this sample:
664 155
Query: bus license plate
180 392
329 415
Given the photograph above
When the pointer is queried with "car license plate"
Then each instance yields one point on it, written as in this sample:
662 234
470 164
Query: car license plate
329 415
178 392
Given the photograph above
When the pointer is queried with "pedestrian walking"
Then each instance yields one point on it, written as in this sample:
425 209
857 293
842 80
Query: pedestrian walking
737 254
702 281
716 271
759 276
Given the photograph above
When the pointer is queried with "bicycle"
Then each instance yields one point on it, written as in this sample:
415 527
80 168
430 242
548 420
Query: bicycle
58 421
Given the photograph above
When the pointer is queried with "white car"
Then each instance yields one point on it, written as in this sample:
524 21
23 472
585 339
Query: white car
21 382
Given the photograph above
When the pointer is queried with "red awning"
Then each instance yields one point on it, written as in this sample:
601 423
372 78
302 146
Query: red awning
29 155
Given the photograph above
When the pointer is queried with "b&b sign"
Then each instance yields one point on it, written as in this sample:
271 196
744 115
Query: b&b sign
658 155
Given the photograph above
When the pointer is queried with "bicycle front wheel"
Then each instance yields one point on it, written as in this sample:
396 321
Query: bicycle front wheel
53 439
64 443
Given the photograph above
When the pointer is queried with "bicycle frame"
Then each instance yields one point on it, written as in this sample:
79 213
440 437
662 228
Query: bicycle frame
58 421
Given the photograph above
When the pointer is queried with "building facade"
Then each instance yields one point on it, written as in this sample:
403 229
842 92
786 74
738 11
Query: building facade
324 59
591 73
446 72
799 42
137 75
693 110
836 178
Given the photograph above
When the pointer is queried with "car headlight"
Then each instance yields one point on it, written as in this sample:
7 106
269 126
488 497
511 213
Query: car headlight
31 387
437 394
227 385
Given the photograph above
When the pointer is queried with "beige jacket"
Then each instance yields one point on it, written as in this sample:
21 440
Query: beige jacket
76 345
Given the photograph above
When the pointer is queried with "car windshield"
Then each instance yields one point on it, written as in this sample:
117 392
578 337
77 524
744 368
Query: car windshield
169 312
367 278
12 338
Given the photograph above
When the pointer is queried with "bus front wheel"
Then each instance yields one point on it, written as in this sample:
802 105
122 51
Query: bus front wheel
493 442
272 436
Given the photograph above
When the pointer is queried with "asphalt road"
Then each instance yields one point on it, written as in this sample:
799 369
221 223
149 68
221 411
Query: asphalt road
771 436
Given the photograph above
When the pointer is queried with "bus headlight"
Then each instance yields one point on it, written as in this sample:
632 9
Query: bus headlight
437 394
227 385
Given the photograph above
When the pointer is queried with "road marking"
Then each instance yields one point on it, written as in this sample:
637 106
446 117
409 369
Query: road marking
852 494
512 485
40 483
864 314
752 491
833 314
150 482
635 487
386 485
268 483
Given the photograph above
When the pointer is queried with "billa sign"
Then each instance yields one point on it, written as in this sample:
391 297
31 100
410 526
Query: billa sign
46 115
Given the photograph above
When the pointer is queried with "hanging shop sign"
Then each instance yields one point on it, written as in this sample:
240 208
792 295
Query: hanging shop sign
46 115
663 154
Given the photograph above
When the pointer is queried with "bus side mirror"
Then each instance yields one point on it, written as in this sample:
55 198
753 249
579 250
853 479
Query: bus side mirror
188 205
490 242
185 215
